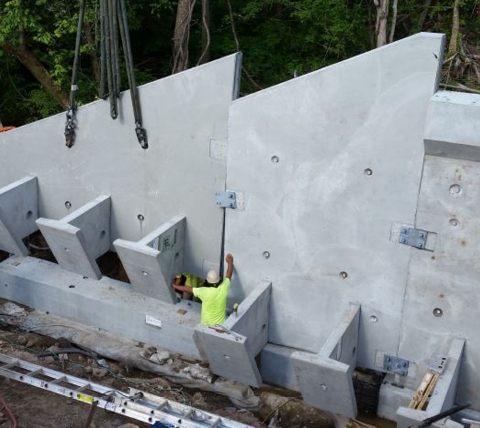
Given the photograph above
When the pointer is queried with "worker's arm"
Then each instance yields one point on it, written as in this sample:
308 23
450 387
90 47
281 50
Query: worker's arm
182 288
229 260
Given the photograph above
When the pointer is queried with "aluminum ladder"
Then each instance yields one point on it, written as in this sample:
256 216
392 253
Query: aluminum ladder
135 404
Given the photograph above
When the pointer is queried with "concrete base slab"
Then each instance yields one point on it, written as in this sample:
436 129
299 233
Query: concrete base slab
107 305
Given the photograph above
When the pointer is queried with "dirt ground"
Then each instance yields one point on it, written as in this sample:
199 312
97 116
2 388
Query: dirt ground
36 408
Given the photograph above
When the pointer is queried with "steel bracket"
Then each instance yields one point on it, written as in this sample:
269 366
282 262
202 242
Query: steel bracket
226 199
438 366
413 237
395 364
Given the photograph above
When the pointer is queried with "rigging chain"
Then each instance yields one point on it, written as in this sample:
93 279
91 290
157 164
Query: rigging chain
113 20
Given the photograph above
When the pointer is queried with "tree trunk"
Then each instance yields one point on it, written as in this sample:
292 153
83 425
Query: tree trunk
382 21
205 57
423 16
394 21
453 46
181 35
31 62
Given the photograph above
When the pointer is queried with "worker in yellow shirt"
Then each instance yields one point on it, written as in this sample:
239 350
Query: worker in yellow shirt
213 294
190 281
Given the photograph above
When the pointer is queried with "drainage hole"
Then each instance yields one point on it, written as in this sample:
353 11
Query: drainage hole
455 189
453 222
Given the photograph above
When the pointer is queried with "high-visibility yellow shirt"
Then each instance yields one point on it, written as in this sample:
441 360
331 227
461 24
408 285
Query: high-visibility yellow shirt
214 302
192 280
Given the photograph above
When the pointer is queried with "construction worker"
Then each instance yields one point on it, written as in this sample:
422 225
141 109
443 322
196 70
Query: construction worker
190 281
213 294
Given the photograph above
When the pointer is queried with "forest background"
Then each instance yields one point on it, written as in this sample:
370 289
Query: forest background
279 39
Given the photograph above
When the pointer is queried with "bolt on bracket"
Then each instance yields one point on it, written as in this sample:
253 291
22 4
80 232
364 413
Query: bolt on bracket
438 366
226 199
395 364
413 237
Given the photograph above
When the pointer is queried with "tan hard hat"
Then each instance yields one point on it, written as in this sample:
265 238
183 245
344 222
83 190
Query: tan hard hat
213 277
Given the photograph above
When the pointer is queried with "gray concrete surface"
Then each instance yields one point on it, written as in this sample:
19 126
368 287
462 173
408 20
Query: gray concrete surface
18 212
153 262
277 366
252 318
325 379
107 304
231 349
326 383
81 237
186 118
324 222
228 354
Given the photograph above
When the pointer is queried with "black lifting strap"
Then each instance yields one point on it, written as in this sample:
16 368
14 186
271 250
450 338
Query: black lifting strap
127 51
113 19
71 122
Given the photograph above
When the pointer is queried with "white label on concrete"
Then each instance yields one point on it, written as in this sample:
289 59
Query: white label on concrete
153 321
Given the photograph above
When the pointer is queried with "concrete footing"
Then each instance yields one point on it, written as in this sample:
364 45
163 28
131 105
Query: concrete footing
107 304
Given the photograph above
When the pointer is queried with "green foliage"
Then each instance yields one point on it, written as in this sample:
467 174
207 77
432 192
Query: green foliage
279 38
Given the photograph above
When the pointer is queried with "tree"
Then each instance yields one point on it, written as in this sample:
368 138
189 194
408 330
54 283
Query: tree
382 21
19 27
33 64
181 35
394 21
453 45
205 56
279 39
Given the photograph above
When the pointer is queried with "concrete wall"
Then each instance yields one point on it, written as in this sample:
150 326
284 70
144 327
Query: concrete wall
443 285
300 154
327 168
185 116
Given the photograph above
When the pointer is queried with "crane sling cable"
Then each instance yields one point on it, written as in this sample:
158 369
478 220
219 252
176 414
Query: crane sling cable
113 21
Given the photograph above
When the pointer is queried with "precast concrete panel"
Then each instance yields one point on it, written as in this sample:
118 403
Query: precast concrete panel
324 166
185 116
442 291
